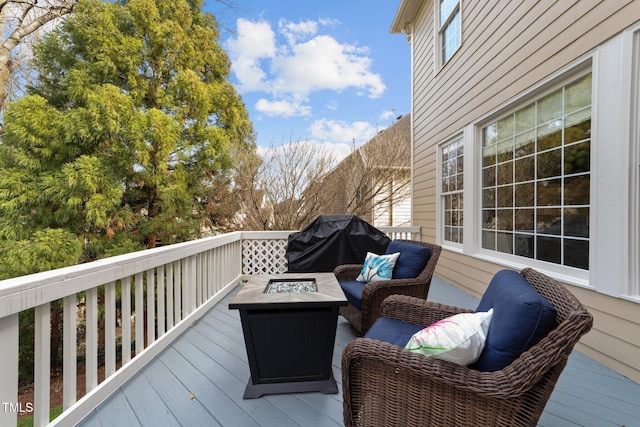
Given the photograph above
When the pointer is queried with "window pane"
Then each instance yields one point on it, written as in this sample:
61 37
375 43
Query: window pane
505 196
576 222
505 173
550 107
489 198
525 143
489 177
524 220
577 158
577 127
578 94
524 245
525 195
548 193
576 190
490 135
446 7
525 169
549 221
451 38
576 253
489 240
504 242
525 119
549 164
549 249
505 219
489 219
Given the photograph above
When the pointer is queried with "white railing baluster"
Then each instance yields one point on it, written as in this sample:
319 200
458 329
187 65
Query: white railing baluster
125 321
91 333
139 308
170 296
151 308
9 367
109 329
69 364
42 365
160 306
177 285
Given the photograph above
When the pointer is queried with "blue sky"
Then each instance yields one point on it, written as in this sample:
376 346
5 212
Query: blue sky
326 72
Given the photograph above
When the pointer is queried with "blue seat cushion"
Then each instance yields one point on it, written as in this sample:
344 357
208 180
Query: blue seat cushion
411 261
353 291
392 331
521 318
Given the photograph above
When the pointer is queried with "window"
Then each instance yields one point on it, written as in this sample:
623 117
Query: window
536 178
452 186
450 28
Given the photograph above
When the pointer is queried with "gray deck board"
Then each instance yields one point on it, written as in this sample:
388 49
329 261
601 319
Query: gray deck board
209 360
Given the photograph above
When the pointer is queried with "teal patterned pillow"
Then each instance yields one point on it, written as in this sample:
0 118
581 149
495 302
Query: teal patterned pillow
377 267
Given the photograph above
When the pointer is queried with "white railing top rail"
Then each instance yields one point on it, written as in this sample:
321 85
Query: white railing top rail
21 293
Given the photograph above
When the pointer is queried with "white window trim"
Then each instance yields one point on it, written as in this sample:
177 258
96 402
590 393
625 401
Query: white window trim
440 63
631 47
605 243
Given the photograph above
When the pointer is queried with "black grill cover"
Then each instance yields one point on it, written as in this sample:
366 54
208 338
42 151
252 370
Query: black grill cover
332 240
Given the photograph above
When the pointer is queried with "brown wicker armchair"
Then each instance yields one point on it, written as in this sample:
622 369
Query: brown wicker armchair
385 385
375 292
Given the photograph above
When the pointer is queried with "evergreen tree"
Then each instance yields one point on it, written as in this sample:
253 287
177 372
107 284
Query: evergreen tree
123 141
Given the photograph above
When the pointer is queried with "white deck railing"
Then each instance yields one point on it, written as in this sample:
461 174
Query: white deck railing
160 292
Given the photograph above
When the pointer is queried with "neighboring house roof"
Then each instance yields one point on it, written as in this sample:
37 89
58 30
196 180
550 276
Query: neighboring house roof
399 131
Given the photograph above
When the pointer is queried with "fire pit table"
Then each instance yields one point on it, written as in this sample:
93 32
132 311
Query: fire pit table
289 325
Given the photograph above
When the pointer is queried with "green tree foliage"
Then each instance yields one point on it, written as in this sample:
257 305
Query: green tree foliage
124 140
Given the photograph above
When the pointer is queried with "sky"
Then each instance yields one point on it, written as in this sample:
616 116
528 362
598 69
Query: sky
326 72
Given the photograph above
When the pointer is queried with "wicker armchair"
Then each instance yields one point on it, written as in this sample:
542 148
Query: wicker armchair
375 292
385 385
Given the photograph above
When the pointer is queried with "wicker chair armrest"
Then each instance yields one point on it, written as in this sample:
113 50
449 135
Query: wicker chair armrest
417 310
389 363
347 271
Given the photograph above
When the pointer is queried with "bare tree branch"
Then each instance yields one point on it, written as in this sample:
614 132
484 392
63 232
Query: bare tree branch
18 21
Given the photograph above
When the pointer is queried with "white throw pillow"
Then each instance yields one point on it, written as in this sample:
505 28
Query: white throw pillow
377 267
458 339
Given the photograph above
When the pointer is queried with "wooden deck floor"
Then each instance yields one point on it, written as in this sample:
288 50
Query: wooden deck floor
199 381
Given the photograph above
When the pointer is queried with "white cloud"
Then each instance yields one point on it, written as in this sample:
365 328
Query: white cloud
387 115
282 108
324 63
341 131
294 32
298 61
336 151
255 42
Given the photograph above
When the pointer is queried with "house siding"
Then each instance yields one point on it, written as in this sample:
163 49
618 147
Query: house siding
507 48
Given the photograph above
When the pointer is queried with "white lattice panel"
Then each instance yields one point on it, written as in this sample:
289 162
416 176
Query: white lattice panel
264 256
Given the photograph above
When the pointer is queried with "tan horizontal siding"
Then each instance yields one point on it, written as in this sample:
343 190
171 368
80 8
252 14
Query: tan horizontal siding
507 48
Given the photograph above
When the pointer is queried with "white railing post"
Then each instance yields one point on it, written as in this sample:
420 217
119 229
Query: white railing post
151 307
69 351
91 346
109 329
139 308
42 365
125 294
9 369
161 301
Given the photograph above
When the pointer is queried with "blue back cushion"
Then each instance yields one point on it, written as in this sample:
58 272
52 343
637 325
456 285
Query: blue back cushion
353 291
521 318
411 261
392 331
